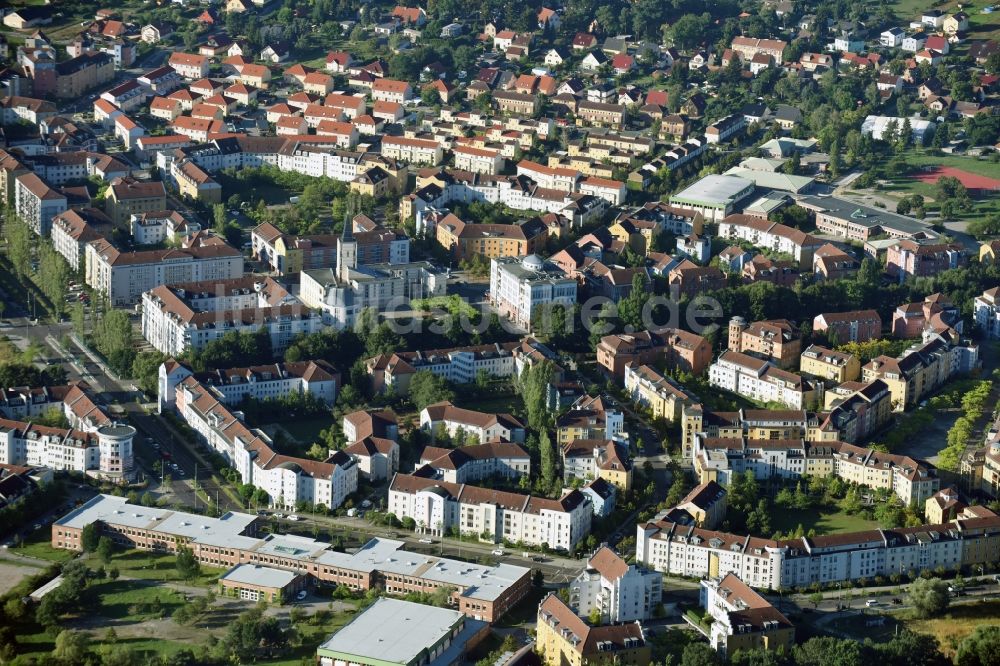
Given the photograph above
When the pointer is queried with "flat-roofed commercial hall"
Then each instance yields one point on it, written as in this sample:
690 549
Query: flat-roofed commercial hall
480 592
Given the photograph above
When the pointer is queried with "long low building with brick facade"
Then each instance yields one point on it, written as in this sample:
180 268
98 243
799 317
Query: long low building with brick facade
481 592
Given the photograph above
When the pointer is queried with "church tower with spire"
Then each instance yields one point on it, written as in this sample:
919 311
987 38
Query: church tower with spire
347 249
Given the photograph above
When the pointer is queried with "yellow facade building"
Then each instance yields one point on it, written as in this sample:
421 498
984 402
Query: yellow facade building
563 639
827 364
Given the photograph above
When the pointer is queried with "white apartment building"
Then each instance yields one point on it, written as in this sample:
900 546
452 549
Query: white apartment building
986 311
478 160
377 457
36 203
467 464
774 565
351 106
24 402
328 161
341 296
74 401
471 424
604 188
721 459
737 610
72 230
414 151
437 506
288 481
619 591
459 365
190 65
521 285
175 320
260 382
391 90
124 276
511 191
758 380
770 235
157 227
104 454
553 178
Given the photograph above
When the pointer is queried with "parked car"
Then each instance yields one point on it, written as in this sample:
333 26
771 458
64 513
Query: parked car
426 540
498 552
871 603
293 517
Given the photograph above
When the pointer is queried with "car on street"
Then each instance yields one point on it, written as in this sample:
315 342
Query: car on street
498 552
279 516
426 540
293 517
871 603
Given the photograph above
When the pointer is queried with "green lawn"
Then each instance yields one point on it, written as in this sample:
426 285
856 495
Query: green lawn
903 186
453 304
981 26
158 566
982 167
306 431
271 193
526 610
312 636
39 643
39 545
824 521
509 403
154 646
957 623
120 599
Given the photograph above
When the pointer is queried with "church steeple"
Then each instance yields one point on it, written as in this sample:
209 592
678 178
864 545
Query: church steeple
347 248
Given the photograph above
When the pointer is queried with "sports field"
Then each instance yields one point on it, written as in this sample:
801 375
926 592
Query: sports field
971 181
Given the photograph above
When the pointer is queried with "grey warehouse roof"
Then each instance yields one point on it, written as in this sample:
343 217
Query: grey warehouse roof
393 631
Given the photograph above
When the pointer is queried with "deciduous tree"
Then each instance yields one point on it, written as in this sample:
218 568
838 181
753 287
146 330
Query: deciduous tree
929 596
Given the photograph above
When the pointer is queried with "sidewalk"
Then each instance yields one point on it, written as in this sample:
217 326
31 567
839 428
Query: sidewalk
98 361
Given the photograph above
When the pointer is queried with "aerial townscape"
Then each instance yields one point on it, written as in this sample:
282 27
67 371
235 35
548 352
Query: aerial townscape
569 333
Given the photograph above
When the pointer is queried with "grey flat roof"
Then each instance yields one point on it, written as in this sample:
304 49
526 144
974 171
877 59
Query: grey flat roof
117 511
773 180
291 545
393 631
866 216
549 272
713 189
254 574
45 589
477 581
